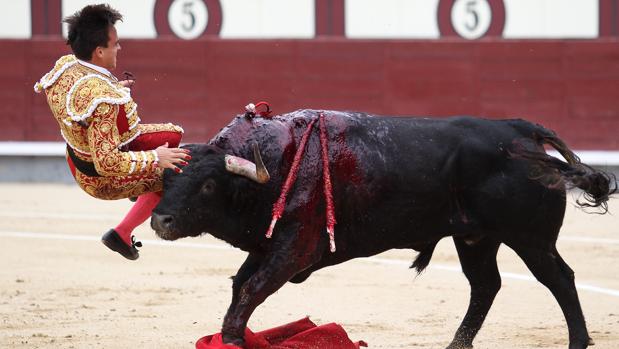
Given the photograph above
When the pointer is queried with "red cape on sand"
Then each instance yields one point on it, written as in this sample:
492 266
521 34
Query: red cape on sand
301 334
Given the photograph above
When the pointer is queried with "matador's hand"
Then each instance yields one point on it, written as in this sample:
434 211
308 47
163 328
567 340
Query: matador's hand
127 83
169 157
129 80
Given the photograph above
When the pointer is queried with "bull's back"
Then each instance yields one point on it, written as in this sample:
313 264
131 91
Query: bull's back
417 177
419 155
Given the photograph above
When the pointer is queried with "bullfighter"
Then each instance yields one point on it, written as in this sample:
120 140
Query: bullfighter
110 153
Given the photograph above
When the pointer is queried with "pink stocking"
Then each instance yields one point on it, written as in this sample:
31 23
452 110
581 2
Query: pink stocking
138 214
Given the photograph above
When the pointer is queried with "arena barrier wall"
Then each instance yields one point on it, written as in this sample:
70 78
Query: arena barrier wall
569 86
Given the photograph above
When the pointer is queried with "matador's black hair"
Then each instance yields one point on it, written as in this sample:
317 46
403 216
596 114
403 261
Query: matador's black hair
88 29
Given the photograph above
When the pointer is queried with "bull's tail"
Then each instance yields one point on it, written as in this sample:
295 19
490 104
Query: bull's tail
423 258
597 185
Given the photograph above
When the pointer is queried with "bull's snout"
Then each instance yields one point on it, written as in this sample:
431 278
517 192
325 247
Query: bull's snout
161 223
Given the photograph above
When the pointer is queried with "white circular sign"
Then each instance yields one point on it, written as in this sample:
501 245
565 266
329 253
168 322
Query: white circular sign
471 18
188 18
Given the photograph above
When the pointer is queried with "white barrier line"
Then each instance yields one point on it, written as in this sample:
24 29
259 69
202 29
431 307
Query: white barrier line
505 275
110 217
60 215
31 235
376 260
445 267
602 241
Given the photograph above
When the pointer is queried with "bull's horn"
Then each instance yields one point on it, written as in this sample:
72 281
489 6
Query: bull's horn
261 171
256 172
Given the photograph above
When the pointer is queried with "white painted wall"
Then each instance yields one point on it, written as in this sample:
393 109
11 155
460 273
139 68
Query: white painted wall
268 19
138 16
15 22
241 18
535 19
391 19
375 19
525 19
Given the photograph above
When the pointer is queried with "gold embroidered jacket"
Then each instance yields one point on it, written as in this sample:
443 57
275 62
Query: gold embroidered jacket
97 119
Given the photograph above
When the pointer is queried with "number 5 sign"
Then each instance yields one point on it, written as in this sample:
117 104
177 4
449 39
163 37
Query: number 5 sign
471 19
188 19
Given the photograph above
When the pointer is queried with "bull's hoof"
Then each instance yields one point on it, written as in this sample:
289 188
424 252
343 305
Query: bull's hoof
233 340
455 345
581 344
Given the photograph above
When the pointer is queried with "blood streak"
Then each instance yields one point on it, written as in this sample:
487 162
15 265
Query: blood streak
327 183
278 207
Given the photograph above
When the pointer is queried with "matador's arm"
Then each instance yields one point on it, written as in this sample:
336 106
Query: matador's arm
104 142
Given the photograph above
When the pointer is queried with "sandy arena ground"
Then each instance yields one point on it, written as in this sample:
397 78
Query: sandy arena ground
60 288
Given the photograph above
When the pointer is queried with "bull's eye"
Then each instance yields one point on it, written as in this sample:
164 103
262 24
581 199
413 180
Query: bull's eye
208 187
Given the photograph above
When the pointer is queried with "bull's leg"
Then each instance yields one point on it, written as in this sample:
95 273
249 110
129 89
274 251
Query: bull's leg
271 275
479 265
275 270
247 269
549 268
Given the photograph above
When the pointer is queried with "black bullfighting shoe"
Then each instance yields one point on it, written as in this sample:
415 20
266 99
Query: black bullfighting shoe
114 242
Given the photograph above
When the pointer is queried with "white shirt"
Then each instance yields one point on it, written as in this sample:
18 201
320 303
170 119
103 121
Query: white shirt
97 68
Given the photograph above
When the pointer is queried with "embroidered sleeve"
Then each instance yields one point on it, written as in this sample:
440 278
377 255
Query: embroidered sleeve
104 142
151 128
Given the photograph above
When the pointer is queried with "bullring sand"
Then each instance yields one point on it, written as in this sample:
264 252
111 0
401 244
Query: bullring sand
60 288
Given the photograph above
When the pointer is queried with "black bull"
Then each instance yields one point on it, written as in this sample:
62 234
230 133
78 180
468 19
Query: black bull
397 183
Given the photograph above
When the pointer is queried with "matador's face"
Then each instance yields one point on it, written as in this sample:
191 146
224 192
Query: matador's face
108 54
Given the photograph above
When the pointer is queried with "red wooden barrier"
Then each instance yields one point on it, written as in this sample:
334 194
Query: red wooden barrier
569 86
